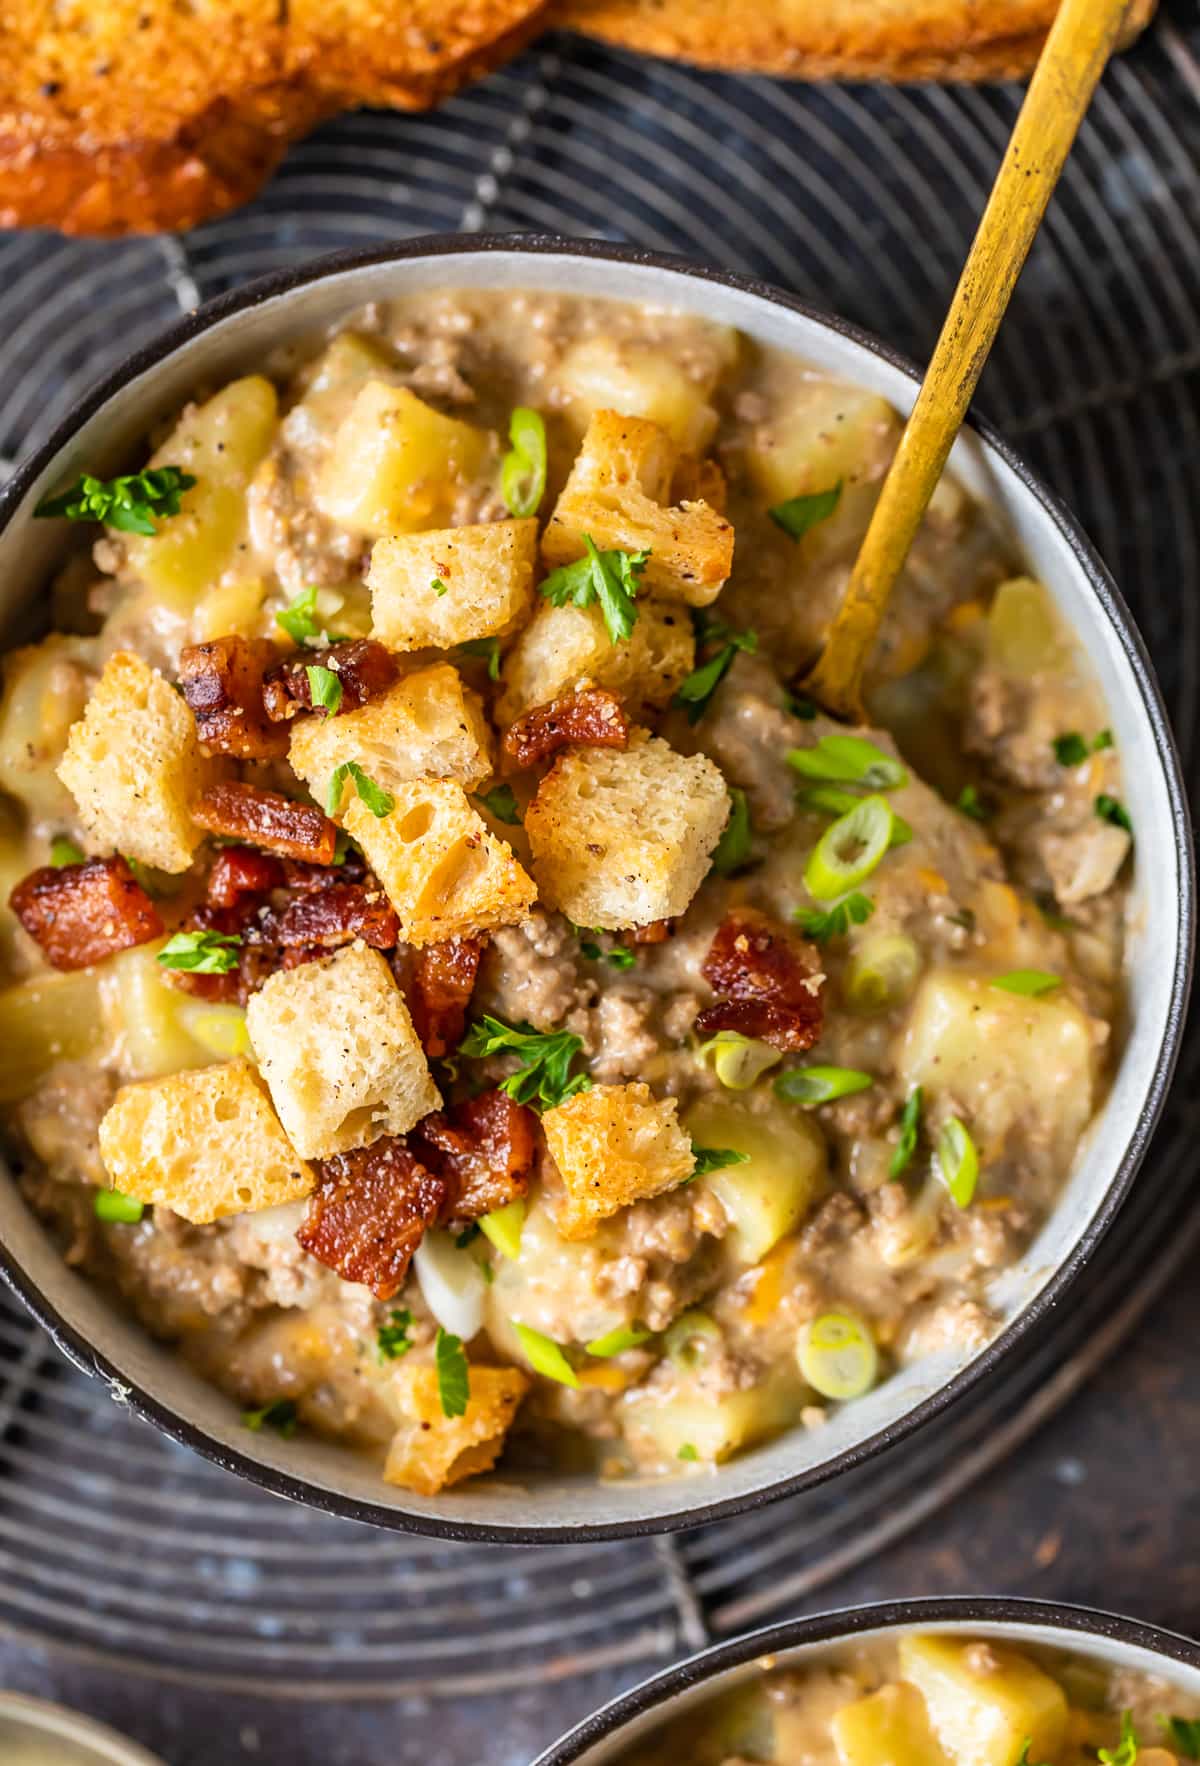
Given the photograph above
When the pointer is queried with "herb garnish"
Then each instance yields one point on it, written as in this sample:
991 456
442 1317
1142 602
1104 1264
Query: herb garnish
1111 809
1183 1733
115 1205
1072 749
910 1128
1126 1751
618 955
1032 983
380 802
203 953
969 803
279 1415
694 692
453 1376
617 1342
799 514
65 852
392 1339
544 1074
501 801
488 647
716 1159
800 706
544 1355
610 578
523 471
130 503
687 1452
325 687
438 586
299 620
849 760
732 851
820 926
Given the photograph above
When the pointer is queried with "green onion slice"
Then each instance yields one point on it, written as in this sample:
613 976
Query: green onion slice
737 1060
733 848
116 1205
910 1128
831 800
837 1355
882 972
1031 982
65 852
811 1086
544 1355
849 760
687 1452
849 849
618 1341
957 1162
691 1338
503 1226
523 473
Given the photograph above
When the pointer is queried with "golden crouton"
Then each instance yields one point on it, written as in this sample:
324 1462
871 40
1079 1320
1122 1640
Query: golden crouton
205 1143
444 872
562 646
396 464
614 1145
617 494
433 1450
452 586
133 765
427 726
338 1051
623 837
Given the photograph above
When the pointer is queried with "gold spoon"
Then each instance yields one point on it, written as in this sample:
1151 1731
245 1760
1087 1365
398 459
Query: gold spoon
1081 40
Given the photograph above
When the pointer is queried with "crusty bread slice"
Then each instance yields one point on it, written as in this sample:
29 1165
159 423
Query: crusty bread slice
835 39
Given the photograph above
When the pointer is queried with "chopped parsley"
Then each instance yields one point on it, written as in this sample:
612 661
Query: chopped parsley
1072 749
694 692
1102 741
544 1076
203 953
910 1128
716 1159
819 925
501 801
299 619
325 687
799 514
115 1205
467 1236
378 801
619 956
732 851
453 1376
131 503
687 1452
1126 1751
438 586
523 471
969 803
65 852
392 1339
1183 1733
1111 809
610 578
487 647
279 1415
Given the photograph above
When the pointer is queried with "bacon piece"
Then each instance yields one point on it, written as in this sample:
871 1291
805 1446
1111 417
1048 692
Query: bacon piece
222 681
369 1211
590 715
80 914
770 978
304 879
267 818
337 914
483 1148
239 871
363 666
438 982
657 932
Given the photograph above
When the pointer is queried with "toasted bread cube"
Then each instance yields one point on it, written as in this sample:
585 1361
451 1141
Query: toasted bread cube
428 726
623 837
562 646
617 494
486 573
444 872
134 767
614 1145
205 1143
989 1711
338 1051
396 464
433 1450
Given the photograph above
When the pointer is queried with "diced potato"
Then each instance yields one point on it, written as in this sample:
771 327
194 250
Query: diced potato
336 378
715 1427
220 443
556 1285
638 380
890 1728
1024 633
1014 1066
150 1019
50 1017
984 1715
229 607
767 1197
396 464
564 645
46 687
824 433
485 573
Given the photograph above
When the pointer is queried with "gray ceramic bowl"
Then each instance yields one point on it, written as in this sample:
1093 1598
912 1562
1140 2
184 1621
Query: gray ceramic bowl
231 336
604 1738
50 1735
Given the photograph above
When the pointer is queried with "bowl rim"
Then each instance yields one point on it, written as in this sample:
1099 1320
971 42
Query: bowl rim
847 1622
1111 606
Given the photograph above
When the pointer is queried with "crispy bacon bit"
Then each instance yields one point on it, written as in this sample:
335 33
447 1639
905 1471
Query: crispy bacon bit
363 666
657 932
337 914
770 978
304 879
239 871
222 682
438 982
80 914
267 818
591 715
369 1211
484 1150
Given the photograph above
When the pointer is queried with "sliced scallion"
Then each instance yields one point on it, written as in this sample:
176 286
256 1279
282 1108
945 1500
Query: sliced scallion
849 849
737 1060
910 1128
837 1356
618 1341
544 1355
882 972
1031 982
832 800
957 1162
691 1338
811 1086
503 1226
849 760
115 1205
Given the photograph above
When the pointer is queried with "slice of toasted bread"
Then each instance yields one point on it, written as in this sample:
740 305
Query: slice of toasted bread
834 39
134 116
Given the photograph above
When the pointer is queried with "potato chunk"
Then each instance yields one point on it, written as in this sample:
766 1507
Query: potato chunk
1017 1068
784 1173
638 380
692 1416
614 1145
338 1050
621 837
134 767
985 1703
829 433
486 574
617 493
205 1143
428 726
444 872
890 1728
564 645
396 464
45 692
432 1450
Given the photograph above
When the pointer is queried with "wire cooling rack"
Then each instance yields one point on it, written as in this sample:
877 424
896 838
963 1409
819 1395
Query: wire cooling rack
118 1549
